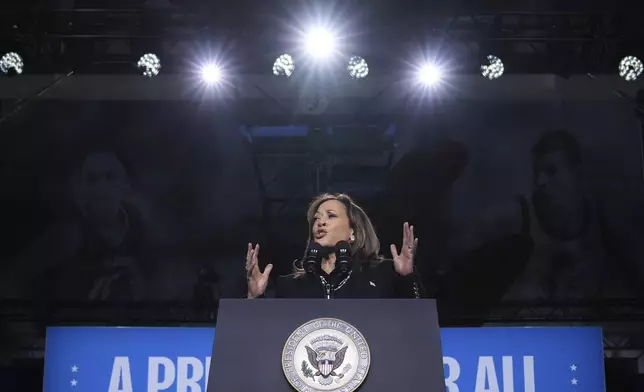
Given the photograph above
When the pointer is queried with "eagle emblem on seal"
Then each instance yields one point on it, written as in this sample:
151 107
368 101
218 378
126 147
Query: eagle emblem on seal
326 355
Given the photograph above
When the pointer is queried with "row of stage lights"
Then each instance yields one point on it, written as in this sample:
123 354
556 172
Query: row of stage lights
320 45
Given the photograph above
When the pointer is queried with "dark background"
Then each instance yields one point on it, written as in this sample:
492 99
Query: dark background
199 186
205 177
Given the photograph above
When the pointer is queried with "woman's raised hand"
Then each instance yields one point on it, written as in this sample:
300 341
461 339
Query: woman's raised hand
404 261
257 280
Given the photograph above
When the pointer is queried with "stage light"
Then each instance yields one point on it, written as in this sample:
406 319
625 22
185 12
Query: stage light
11 62
320 43
150 64
494 69
211 73
284 65
358 68
630 68
429 75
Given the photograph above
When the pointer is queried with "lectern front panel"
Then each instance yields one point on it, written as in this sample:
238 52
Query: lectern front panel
403 341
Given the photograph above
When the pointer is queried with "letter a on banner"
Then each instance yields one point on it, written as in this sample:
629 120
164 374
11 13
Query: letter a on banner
486 380
121 379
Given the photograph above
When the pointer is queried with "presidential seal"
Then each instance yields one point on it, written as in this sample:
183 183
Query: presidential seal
326 354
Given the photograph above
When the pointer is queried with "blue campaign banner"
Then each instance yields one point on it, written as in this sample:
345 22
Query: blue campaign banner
124 359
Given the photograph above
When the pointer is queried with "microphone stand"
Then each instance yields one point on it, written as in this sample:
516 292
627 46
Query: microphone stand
24 102
638 108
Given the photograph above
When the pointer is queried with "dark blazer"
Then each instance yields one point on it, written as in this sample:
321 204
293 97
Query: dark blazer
378 281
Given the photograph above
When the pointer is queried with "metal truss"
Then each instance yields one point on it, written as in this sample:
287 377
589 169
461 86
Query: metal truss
562 43
622 311
110 313
104 40
292 169
622 342
622 321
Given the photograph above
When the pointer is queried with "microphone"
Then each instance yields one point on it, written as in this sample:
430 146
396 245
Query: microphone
311 262
343 257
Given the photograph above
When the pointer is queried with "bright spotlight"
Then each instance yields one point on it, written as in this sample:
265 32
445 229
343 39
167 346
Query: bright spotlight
494 69
211 73
630 68
11 62
284 66
429 75
358 68
320 43
150 64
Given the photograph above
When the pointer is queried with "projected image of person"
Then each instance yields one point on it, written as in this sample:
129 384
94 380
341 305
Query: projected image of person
112 228
564 223
562 220
94 254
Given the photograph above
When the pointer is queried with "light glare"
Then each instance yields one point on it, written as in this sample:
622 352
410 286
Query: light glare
429 75
211 73
320 43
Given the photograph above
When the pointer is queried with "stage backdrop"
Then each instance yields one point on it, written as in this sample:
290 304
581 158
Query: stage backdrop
178 359
139 200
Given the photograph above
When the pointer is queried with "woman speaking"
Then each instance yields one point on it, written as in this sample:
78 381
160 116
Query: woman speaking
342 259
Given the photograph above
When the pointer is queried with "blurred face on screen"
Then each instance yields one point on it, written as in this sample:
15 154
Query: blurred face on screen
103 185
331 224
557 192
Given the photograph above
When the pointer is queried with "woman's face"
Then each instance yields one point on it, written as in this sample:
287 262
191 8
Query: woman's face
331 224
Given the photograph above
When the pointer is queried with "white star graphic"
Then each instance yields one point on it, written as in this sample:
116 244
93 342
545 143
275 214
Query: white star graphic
573 368
574 381
74 382
74 369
